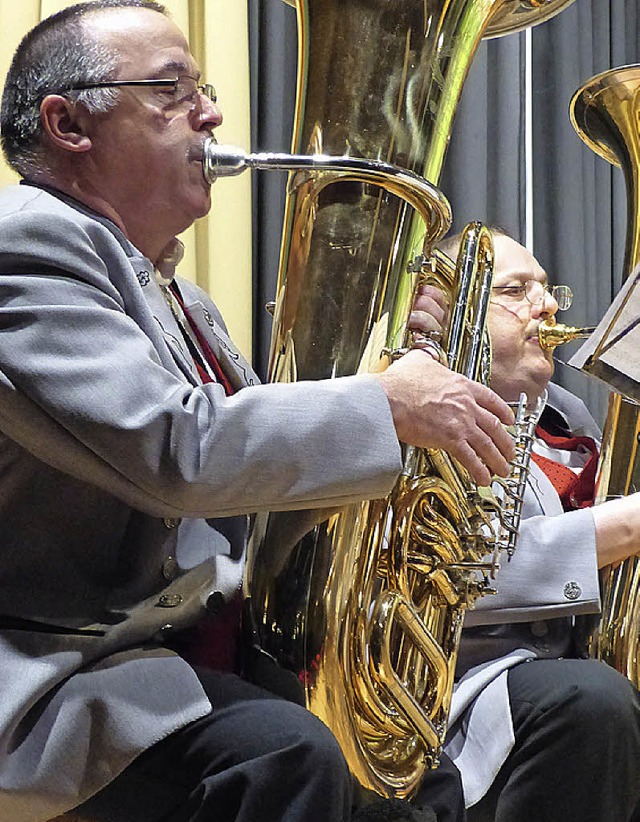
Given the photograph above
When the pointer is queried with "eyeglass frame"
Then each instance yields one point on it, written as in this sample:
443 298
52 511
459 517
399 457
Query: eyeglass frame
556 291
207 89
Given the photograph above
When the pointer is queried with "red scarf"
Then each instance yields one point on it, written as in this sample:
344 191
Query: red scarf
574 490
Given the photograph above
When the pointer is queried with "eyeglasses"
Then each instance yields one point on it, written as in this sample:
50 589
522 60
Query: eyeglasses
184 88
535 293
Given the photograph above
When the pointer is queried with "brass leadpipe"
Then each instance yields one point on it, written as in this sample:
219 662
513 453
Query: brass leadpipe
229 161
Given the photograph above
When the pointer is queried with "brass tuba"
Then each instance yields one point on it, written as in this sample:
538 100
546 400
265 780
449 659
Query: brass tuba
606 112
363 607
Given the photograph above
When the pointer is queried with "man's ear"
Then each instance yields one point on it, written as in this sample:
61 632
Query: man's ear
64 123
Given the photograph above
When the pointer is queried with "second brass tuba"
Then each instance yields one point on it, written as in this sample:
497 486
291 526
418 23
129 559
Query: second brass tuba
363 606
606 114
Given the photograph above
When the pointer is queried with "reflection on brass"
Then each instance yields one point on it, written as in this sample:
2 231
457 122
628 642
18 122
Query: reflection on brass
364 609
606 114
552 334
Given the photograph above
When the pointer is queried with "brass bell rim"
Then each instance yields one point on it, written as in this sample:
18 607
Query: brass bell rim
584 98
514 15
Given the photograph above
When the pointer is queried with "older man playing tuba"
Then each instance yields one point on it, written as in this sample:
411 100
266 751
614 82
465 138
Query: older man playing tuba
134 443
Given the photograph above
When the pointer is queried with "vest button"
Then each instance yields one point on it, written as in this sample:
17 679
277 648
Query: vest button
170 568
170 600
215 602
171 522
539 628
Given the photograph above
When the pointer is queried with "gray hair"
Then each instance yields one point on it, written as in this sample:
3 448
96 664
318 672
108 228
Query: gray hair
450 244
56 55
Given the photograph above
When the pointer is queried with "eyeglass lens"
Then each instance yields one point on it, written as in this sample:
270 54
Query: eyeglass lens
187 88
536 292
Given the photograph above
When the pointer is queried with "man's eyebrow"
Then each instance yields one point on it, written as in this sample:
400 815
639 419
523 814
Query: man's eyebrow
174 66
507 280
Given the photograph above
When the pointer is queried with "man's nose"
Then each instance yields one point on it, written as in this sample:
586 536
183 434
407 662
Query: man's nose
547 307
207 112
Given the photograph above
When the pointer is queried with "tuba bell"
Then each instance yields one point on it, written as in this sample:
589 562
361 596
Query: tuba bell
605 112
363 607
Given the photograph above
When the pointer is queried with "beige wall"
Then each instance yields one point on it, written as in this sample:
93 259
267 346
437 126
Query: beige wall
219 247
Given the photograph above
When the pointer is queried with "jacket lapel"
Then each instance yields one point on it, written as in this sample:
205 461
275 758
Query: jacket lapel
234 365
165 318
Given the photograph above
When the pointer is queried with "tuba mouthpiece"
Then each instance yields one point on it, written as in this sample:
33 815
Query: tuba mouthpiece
552 334
223 161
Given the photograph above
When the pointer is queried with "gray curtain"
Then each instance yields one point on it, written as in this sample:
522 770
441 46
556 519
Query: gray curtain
580 211
273 52
579 214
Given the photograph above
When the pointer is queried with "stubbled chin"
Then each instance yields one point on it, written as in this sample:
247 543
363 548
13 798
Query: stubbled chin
531 380
203 205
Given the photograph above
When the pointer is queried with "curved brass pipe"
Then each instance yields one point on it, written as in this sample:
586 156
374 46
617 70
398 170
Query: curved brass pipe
430 203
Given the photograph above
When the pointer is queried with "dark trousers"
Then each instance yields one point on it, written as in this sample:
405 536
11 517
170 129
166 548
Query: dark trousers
577 750
257 758
254 758
441 791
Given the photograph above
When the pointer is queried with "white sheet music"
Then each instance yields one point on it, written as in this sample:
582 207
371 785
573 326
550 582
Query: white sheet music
612 352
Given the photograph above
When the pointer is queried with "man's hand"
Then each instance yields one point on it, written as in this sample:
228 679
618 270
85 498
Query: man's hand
433 407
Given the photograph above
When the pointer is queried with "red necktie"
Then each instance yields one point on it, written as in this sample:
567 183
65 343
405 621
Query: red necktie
212 642
205 349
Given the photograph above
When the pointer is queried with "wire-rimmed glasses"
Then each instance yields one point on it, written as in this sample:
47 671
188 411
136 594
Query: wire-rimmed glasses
534 292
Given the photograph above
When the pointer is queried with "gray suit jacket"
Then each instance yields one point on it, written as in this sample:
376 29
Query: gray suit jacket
553 573
124 490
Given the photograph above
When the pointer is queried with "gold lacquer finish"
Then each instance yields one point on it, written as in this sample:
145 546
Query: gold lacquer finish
552 334
517 16
606 114
363 606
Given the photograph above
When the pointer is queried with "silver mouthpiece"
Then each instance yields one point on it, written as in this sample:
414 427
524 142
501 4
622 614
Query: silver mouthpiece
223 161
